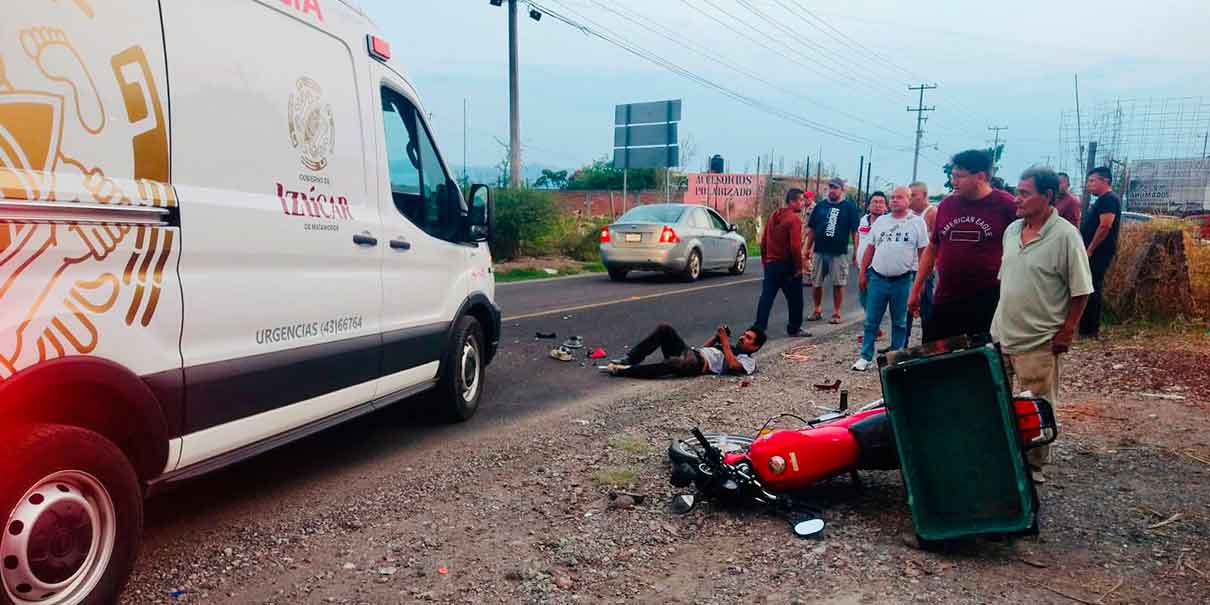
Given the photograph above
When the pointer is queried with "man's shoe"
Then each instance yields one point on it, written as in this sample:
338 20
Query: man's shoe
1037 475
799 333
862 364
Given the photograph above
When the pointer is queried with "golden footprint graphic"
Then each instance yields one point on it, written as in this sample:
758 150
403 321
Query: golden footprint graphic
59 61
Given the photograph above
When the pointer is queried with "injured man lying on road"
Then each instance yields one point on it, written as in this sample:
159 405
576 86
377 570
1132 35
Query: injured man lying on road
717 356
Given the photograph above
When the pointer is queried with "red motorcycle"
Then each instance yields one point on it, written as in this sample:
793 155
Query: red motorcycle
770 468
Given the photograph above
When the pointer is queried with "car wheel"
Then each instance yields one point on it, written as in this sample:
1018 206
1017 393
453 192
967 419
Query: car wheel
617 274
741 261
73 516
693 268
463 373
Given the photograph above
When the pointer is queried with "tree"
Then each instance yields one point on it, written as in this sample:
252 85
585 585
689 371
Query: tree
688 149
503 168
551 179
602 176
997 153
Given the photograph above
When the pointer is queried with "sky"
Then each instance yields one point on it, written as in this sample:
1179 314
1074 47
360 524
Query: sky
820 78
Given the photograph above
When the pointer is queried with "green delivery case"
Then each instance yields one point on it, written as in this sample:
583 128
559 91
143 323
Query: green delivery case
956 431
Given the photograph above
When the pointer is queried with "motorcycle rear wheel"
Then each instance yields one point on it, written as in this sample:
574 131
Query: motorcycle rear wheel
690 451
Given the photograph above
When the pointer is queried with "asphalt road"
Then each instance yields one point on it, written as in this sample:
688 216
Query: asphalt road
615 316
522 381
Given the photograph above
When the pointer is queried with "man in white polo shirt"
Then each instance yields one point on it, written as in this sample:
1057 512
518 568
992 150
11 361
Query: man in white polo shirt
1045 281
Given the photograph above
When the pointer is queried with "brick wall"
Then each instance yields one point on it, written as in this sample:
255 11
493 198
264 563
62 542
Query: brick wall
597 203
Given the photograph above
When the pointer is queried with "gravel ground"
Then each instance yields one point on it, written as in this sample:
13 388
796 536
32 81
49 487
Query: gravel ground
523 515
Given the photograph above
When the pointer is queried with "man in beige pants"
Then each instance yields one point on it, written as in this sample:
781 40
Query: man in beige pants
1045 281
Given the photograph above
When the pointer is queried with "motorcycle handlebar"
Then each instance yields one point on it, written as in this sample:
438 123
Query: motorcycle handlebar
712 454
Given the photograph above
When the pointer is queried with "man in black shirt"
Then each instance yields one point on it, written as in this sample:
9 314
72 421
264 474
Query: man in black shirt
832 226
1100 226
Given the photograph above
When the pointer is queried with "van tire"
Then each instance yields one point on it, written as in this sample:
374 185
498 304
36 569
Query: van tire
617 274
81 464
457 401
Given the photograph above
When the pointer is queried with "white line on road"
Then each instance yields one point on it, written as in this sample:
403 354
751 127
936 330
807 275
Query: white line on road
630 299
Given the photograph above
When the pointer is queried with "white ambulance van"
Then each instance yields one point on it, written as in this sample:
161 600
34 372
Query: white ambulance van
224 225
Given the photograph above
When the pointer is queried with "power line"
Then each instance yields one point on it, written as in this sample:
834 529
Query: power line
852 70
822 25
871 52
815 68
653 58
713 56
920 109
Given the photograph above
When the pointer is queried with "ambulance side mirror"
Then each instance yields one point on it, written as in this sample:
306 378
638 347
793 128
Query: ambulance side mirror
480 213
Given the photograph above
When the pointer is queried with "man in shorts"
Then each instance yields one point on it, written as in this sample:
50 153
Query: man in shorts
832 227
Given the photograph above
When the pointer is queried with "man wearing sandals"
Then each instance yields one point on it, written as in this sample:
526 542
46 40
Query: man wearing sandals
832 227
718 356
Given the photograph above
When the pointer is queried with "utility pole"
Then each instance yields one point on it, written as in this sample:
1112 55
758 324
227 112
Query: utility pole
920 109
860 176
996 144
869 176
514 108
466 179
1092 163
1080 127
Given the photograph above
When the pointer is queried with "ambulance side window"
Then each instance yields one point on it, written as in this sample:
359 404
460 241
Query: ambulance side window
419 186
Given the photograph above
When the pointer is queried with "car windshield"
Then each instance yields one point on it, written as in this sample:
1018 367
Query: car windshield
656 213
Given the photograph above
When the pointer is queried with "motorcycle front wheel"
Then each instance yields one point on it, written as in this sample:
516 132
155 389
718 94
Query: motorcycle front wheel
690 451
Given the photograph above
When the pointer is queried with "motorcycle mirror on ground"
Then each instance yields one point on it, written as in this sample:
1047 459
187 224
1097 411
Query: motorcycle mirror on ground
808 528
683 503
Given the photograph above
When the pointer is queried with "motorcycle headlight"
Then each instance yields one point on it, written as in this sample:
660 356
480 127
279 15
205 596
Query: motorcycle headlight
777 464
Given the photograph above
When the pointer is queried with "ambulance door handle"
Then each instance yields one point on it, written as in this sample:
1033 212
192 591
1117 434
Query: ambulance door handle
365 239
401 245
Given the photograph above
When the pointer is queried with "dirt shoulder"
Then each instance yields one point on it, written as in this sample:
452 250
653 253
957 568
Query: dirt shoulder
524 516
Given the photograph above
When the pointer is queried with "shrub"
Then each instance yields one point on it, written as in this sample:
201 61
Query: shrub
1159 289
525 219
583 243
747 228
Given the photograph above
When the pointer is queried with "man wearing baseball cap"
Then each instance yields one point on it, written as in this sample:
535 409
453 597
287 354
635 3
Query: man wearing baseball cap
832 227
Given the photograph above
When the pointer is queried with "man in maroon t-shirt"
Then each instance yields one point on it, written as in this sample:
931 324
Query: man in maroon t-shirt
966 248
1068 205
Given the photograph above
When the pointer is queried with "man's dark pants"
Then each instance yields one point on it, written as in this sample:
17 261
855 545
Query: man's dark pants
779 277
968 316
679 358
1090 322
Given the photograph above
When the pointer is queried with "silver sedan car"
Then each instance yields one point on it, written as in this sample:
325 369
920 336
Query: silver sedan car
685 239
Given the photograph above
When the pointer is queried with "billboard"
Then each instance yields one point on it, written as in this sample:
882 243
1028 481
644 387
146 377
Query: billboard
644 135
727 193
1178 187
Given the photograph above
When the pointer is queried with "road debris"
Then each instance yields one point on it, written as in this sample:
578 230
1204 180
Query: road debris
828 386
1169 521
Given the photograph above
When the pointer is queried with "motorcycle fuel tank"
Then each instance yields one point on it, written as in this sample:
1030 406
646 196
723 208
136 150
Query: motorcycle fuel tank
788 460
